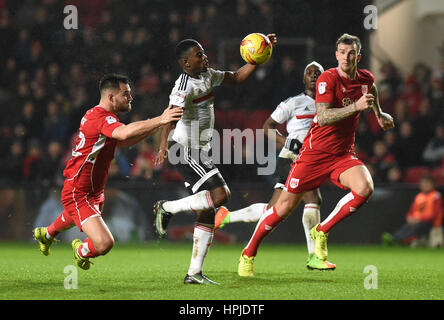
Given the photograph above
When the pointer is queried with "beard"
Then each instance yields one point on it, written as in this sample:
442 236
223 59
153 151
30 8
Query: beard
125 107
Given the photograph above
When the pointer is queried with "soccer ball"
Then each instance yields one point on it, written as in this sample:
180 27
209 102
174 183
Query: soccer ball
256 48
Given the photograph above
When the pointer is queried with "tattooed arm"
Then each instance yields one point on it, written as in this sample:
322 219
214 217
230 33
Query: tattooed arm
327 115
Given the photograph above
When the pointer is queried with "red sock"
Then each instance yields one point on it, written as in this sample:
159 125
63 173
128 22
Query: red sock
87 250
63 222
345 207
265 225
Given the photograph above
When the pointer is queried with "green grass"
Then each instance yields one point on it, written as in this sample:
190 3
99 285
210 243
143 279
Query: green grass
155 271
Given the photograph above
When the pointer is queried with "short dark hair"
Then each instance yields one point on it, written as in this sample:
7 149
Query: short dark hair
112 81
349 39
183 47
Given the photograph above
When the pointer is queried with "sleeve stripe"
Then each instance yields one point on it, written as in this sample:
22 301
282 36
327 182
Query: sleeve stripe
183 81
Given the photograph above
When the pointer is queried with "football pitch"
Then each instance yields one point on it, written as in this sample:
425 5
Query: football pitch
155 271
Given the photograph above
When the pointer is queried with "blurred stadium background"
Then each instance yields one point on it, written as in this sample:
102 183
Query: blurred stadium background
49 78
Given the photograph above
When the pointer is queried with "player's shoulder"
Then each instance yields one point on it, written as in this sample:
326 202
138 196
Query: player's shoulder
295 103
214 75
183 82
98 113
288 103
299 100
366 74
94 112
328 75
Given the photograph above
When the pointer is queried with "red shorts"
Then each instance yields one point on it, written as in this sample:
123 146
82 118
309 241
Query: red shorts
81 205
311 168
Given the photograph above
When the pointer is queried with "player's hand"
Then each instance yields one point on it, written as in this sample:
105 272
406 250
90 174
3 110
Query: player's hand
385 121
293 145
272 37
365 102
161 157
171 114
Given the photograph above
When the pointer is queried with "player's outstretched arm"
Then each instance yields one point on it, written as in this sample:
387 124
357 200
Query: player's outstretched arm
384 119
239 76
138 130
242 74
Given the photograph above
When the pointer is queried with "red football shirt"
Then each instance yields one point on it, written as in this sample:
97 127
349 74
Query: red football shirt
94 150
333 88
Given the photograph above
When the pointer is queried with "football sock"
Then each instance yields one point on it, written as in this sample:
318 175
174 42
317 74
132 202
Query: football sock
310 217
269 220
87 249
345 207
200 201
249 214
202 239
60 224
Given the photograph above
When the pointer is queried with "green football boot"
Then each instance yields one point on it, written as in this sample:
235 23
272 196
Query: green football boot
83 263
313 263
320 239
44 243
222 218
246 266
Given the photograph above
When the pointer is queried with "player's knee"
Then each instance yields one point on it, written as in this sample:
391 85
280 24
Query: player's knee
104 245
283 208
365 189
220 196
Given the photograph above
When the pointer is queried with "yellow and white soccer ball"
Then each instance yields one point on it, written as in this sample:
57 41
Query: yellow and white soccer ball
256 48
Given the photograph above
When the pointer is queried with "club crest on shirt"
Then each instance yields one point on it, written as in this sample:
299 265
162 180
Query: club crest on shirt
321 87
294 183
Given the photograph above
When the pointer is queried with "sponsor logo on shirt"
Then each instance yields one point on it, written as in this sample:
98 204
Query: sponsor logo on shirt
110 120
346 102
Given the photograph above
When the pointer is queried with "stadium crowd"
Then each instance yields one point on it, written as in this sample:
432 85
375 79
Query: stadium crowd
50 76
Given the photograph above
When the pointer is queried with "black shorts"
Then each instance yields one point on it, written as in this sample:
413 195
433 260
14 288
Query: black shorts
196 168
283 169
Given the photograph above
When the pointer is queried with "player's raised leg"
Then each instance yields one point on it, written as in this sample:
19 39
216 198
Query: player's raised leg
251 213
46 235
99 242
359 180
164 210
